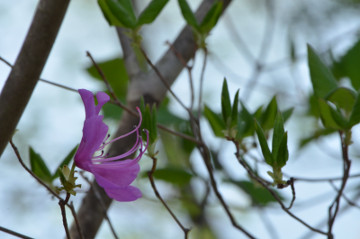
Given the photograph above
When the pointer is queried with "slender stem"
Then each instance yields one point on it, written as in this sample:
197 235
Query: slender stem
202 81
61 201
166 84
43 80
334 207
273 193
153 185
108 86
31 173
73 212
62 204
13 233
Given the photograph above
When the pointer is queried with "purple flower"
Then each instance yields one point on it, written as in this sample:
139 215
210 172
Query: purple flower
114 174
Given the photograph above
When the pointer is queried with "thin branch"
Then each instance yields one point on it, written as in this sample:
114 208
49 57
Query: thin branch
108 86
31 173
202 82
73 212
43 80
179 134
291 183
62 204
334 207
189 70
351 203
161 77
273 193
322 180
205 153
153 185
13 233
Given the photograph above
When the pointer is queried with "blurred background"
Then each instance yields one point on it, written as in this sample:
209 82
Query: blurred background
258 45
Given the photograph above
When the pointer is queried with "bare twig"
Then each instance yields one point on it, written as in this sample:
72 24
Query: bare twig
108 86
153 185
31 173
202 82
13 233
351 203
334 207
62 204
161 77
291 183
273 193
43 80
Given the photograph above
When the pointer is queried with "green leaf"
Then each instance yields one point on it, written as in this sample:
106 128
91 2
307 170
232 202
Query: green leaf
268 117
343 98
211 18
149 121
216 123
225 102
283 153
188 14
287 113
110 18
348 66
326 115
264 145
245 126
355 113
316 135
277 135
321 77
65 161
173 175
259 195
151 12
338 118
38 166
112 111
165 116
235 110
116 75
123 11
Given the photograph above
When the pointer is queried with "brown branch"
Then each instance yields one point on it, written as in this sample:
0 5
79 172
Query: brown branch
13 233
153 185
16 151
62 204
273 193
334 207
29 64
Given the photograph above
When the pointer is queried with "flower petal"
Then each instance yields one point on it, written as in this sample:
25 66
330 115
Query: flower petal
124 194
88 99
94 133
102 98
115 174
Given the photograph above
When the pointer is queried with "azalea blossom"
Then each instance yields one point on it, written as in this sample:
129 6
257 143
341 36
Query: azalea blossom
114 174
